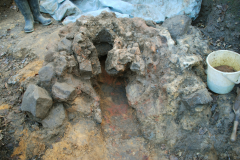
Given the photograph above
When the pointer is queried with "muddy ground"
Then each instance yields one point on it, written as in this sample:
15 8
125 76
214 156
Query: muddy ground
219 21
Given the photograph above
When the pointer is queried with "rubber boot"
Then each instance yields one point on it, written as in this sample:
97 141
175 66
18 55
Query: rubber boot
27 14
34 5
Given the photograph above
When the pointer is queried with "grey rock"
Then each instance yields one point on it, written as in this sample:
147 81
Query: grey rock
125 57
50 56
85 66
60 65
135 66
70 36
65 45
200 97
118 59
78 38
71 115
46 73
178 25
63 92
37 101
55 117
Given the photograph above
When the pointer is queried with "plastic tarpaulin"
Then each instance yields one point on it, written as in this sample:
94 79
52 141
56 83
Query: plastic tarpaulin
156 10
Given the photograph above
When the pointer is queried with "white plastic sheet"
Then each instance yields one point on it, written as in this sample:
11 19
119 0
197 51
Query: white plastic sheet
156 10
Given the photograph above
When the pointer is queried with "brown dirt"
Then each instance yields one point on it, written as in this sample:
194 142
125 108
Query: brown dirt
26 65
225 68
119 119
219 21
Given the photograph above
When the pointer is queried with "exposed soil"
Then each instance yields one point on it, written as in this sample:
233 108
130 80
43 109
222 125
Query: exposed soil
119 121
225 68
219 21
11 33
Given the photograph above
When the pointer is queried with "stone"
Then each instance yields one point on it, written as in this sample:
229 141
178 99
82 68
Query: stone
78 38
65 45
60 65
63 92
86 69
118 59
85 66
71 115
46 73
37 101
70 36
200 97
151 23
125 57
55 117
50 56
135 66
138 65
189 61
177 25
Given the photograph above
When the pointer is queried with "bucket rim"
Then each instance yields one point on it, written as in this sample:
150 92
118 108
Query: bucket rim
228 73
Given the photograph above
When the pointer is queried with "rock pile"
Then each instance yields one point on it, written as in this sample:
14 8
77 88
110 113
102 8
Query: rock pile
165 72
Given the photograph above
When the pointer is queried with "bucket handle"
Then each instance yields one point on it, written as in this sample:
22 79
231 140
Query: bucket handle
237 82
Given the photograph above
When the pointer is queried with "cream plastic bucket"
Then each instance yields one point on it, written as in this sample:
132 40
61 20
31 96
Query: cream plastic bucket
222 82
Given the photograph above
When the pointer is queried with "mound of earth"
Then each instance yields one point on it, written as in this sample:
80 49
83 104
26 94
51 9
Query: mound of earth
112 88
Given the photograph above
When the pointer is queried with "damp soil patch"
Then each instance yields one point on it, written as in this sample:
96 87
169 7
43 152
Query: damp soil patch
119 119
225 68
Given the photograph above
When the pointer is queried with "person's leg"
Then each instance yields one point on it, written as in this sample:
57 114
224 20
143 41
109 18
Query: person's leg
26 12
34 5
